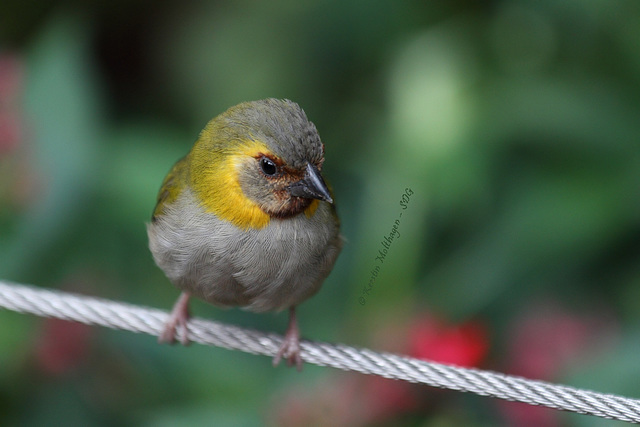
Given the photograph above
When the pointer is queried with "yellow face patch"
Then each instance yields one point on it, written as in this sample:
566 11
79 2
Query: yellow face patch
218 186
311 209
219 189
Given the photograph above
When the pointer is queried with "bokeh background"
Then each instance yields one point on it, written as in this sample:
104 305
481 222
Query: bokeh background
514 124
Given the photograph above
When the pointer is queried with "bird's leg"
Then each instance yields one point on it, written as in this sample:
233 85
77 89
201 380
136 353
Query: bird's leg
290 347
178 318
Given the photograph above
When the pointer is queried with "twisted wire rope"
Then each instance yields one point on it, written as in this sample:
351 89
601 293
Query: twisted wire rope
95 311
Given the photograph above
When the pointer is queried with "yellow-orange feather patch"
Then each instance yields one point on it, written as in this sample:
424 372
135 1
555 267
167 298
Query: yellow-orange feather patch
214 178
219 190
311 209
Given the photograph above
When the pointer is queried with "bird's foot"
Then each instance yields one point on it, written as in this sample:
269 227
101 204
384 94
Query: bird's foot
178 319
290 346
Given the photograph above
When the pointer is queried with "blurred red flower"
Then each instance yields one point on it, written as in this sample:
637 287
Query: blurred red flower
433 339
62 346
361 400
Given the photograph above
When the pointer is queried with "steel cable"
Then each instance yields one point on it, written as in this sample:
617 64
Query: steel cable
95 311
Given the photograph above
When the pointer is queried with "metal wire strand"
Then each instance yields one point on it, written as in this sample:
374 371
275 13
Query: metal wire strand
94 311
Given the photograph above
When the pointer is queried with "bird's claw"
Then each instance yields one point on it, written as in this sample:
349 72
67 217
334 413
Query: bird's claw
290 351
290 346
178 319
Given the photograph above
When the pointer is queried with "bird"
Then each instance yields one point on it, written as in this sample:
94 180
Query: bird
246 218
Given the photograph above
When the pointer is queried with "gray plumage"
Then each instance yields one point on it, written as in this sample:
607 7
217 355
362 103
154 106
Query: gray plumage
271 268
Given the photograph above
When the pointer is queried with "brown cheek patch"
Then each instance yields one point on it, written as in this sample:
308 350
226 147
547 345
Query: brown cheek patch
294 206
292 175
282 194
288 205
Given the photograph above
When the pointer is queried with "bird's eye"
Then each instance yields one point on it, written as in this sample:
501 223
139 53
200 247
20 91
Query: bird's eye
268 167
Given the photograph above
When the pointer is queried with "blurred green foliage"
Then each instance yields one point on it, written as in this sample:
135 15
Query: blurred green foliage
514 123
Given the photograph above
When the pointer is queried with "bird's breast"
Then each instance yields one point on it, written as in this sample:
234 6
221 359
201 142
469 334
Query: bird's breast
268 268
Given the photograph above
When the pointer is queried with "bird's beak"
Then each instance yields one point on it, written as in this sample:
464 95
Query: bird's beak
312 186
